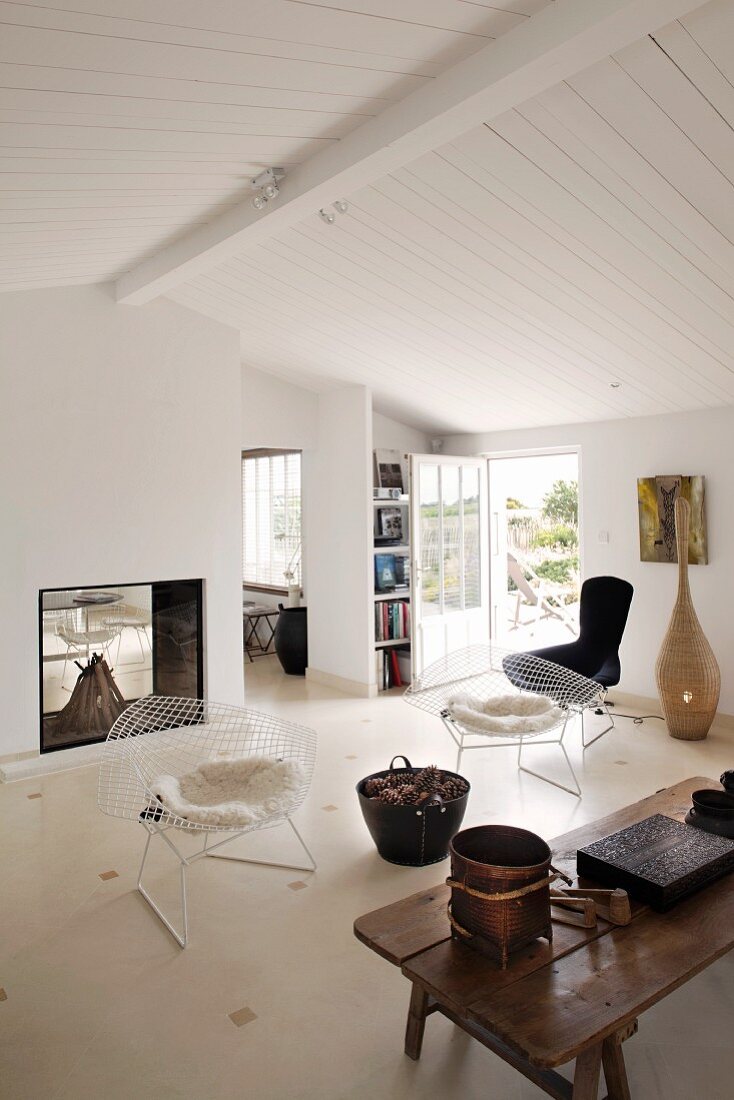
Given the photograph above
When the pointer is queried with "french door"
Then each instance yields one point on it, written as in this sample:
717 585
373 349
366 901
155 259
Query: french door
450 567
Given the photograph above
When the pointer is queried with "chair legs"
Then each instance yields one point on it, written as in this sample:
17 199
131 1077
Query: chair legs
267 862
458 737
604 706
575 790
181 937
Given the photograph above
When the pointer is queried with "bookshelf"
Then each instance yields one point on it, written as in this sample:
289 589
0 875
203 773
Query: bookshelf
391 581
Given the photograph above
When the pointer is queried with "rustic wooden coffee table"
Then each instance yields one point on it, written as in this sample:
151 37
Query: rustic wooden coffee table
578 997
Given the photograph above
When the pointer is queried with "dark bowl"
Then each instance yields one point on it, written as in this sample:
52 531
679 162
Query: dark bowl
714 804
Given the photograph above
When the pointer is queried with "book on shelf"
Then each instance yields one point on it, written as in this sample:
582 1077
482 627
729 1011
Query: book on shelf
391 571
392 667
392 620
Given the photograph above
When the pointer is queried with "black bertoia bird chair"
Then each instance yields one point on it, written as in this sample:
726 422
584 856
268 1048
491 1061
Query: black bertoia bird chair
603 611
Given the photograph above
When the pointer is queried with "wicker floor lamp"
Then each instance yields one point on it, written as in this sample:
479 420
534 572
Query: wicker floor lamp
686 670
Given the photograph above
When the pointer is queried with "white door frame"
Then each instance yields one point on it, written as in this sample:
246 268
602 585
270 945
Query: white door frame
538 452
475 619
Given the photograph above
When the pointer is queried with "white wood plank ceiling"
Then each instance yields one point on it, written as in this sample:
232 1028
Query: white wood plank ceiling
125 123
572 260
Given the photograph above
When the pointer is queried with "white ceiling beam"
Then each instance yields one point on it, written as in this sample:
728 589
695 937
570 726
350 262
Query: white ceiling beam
558 42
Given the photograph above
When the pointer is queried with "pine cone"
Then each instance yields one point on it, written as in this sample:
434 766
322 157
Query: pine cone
410 794
454 788
429 779
374 787
390 796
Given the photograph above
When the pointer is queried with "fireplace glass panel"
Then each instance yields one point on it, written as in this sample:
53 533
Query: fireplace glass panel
102 648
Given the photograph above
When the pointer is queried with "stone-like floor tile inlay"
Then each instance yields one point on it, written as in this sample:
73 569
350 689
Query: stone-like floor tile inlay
242 1016
297 885
329 808
3 995
105 875
36 795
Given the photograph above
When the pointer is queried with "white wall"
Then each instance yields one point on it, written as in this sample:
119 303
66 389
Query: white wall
119 461
613 455
391 435
276 413
338 533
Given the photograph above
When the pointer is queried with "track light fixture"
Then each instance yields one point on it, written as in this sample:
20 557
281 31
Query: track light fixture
266 186
341 206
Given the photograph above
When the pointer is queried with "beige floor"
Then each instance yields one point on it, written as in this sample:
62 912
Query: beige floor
101 1003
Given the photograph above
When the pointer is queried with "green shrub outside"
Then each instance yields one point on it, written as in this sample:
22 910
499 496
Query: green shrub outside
559 570
561 536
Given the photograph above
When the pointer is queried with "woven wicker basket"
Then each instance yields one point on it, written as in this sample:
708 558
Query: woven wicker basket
686 670
500 889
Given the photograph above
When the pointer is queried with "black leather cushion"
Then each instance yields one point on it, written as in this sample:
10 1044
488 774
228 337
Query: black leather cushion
605 604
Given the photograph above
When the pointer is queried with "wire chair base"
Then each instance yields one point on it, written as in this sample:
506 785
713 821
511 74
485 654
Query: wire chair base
602 702
575 790
153 829
268 862
459 738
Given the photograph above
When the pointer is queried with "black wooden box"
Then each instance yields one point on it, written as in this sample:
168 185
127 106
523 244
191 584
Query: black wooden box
658 861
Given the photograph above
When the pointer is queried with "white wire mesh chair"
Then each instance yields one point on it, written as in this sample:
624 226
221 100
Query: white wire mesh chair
161 735
136 617
483 672
82 636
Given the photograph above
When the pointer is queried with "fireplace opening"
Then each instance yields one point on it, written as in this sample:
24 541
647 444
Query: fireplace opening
101 648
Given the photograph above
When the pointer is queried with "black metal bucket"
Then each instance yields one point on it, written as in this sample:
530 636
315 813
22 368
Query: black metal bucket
412 836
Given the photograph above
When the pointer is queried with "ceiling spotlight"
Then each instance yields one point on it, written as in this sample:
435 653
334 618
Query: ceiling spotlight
615 385
259 202
341 206
271 191
327 216
268 177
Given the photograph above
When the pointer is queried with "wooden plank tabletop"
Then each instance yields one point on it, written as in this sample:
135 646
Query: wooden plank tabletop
557 1011
548 1013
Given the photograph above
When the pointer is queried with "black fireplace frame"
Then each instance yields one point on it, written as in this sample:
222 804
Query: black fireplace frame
196 582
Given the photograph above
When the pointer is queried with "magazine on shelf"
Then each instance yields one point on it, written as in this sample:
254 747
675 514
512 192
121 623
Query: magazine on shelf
390 523
385 579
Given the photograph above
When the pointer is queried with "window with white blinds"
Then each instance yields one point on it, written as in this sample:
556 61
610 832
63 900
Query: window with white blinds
271 517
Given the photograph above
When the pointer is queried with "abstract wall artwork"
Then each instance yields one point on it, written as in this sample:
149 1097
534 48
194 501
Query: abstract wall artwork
656 497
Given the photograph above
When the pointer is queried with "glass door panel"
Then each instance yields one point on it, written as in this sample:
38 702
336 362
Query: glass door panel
451 532
471 540
450 555
429 526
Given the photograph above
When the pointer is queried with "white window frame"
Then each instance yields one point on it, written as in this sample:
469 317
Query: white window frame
260 574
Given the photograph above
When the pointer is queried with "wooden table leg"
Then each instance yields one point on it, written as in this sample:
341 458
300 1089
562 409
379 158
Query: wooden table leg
416 1024
586 1076
615 1072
